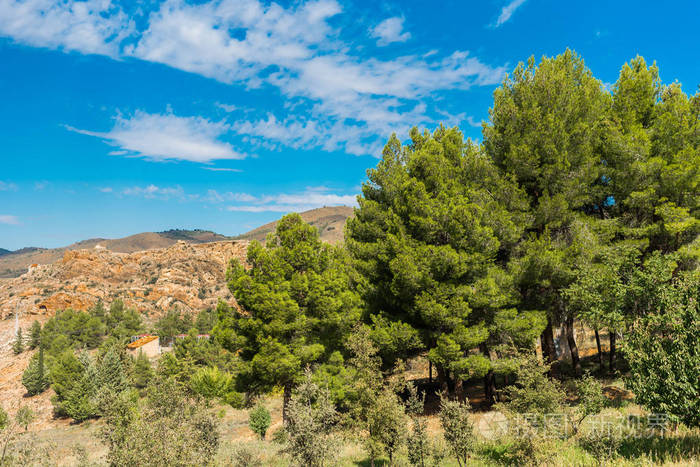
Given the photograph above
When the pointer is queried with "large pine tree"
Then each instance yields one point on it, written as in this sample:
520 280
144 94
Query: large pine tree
296 303
434 230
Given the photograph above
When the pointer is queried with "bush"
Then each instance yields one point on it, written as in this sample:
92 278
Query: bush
459 431
168 429
311 417
245 456
259 420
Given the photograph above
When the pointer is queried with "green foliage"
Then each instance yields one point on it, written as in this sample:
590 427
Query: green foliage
206 320
259 420
142 372
298 306
591 399
418 443
24 416
174 322
35 335
435 226
18 343
311 417
35 378
533 392
386 425
663 351
458 428
80 400
168 428
211 383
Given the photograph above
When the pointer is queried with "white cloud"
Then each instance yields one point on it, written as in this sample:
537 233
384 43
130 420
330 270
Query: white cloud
507 11
311 198
221 169
336 97
390 30
8 186
167 136
106 189
214 196
8 219
153 192
90 27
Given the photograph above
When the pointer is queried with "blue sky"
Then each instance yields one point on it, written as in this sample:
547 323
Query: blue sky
123 117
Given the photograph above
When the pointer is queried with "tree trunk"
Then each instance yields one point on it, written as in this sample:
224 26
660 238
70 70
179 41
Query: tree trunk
458 388
600 350
549 354
285 401
613 354
442 379
430 372
489 378
573 348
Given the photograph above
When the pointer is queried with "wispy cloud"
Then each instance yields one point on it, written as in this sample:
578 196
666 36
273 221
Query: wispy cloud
221 169
390 30
8 186
507 11
311 198
154 192
8 219
168 137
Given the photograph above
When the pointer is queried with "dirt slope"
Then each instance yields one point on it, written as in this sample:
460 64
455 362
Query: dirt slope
330 222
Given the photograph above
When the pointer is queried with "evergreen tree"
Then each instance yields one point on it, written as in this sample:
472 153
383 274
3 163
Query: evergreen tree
142 372
259 420
110 371
34 377
80 401
545 133
18 343
35 335
297 307
435 228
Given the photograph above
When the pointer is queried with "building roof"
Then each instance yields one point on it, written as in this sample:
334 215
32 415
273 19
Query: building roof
140 342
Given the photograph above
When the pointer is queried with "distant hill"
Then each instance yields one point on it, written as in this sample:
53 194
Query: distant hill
15 263
330 222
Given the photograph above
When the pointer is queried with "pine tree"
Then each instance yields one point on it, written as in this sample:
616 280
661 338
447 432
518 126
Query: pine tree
436 225
142 372
18 344
259 420
34 377
35 335
298 307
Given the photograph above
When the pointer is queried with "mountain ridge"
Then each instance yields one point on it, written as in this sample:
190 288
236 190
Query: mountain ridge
330 222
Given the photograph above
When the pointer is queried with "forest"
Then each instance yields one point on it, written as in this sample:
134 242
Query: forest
578 210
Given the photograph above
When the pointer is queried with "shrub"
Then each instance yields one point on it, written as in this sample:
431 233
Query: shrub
310 418
259 420
35 335
459 431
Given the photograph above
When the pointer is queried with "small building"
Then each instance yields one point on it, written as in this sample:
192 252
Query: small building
149 345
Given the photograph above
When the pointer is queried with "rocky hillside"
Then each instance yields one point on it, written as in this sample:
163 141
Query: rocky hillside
330 222
15 263
189 276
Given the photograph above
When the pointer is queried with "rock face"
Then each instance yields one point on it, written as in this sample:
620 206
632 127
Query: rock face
188 276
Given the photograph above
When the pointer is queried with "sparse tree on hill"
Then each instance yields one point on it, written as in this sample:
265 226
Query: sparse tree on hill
34 377
18 343
35 335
